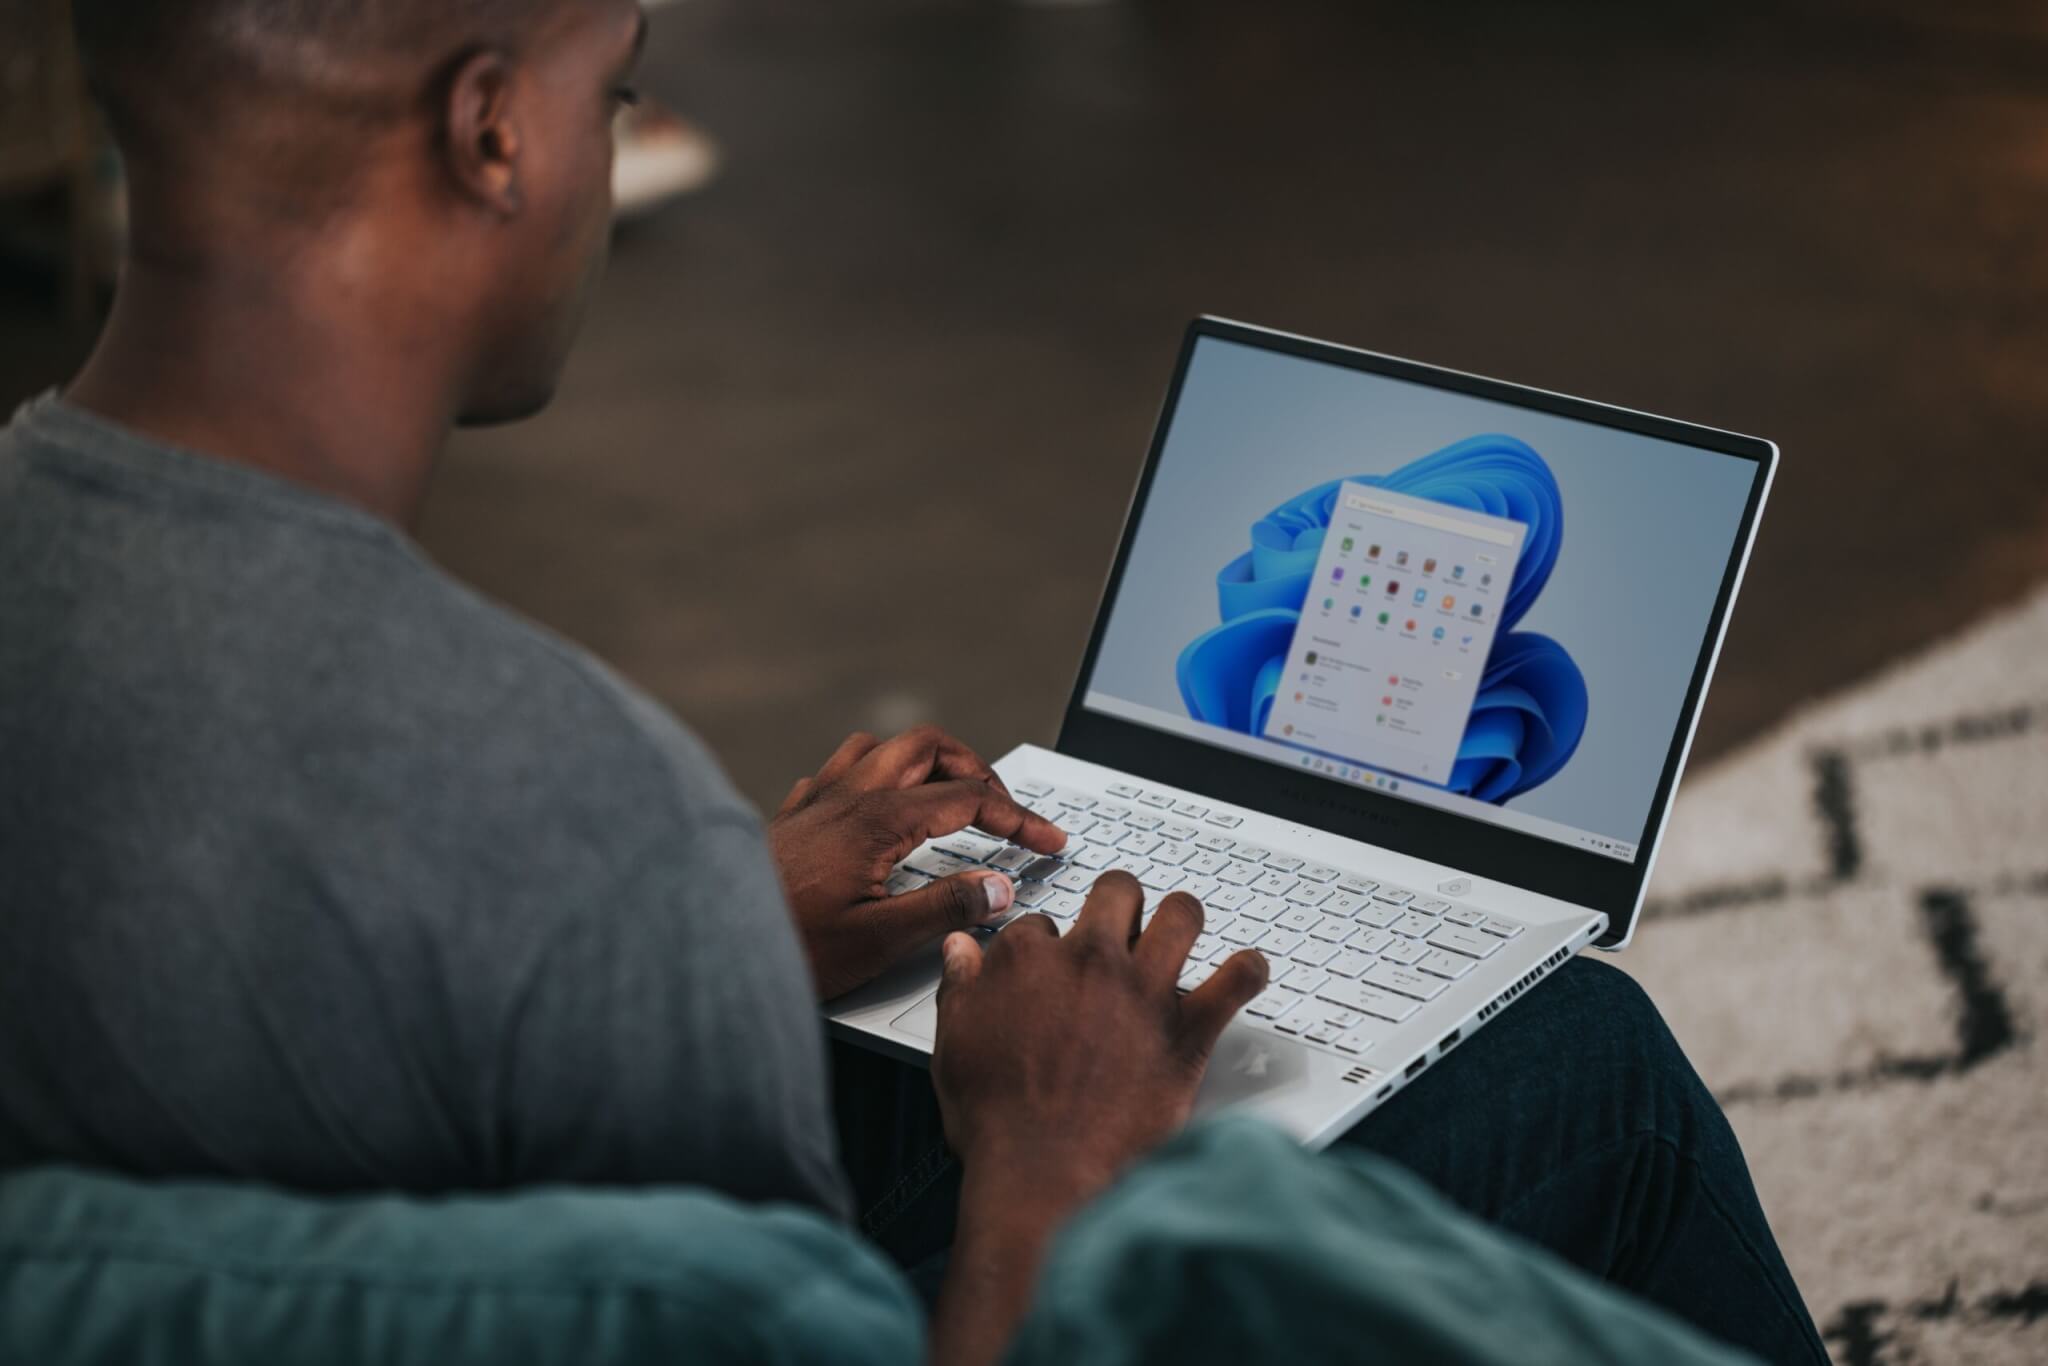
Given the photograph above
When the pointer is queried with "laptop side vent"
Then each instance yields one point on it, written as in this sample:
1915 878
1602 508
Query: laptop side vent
1528 979
1357 1075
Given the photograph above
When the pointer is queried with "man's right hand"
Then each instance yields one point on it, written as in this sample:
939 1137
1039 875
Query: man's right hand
1058 1062
1065 1058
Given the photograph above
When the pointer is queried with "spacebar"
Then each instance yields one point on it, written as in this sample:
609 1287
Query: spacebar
1369 1000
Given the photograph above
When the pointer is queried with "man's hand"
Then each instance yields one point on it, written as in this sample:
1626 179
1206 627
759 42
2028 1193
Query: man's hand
839 833
1058 1062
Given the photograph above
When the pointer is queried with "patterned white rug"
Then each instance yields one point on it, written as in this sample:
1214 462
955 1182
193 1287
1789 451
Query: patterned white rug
1849 933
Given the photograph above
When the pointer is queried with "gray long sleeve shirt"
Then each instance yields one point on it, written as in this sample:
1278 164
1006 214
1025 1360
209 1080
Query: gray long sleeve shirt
316 866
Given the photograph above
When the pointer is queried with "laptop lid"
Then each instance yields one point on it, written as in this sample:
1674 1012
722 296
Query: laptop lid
1462 619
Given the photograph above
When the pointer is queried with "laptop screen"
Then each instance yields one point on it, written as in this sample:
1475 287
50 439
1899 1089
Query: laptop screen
1457 601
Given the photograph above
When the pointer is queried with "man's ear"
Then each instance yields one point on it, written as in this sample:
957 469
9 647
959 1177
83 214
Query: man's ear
481 145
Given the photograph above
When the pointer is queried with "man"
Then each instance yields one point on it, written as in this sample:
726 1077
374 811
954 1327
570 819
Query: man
318 868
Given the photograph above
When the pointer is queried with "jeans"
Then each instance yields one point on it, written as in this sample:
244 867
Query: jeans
1574 1122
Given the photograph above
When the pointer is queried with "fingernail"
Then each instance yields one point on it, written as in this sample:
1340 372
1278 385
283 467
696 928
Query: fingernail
999 892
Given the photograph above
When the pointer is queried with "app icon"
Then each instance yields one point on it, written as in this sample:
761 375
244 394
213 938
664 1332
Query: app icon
1311 656
1328 603
1337 574
1387 701
1475 609
1422 595
1449 602
1429 566
1393 786
1439 633
1364 582
1486 580
1356 610
1411 623
1304 758
1288 729
1393 585
1393 680
1457 571
1464 640
1401 558
1347 543
1372 552
1297 697
1383 618
1381 719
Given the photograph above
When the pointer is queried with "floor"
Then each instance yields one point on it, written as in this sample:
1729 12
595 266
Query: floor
850 435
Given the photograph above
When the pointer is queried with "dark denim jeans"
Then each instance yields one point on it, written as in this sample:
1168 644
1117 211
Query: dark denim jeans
1574 1121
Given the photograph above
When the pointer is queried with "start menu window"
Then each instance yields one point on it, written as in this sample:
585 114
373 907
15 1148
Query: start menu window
1395 632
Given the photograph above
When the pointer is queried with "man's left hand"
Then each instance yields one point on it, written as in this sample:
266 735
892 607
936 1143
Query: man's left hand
839 833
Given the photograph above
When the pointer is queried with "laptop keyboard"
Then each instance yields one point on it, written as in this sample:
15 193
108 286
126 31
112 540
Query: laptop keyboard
1351 956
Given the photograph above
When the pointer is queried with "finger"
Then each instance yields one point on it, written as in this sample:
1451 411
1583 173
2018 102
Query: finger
959 902
959 965
1209 1007
1110 914
915 756
800 790
936 810
851 751
1164 945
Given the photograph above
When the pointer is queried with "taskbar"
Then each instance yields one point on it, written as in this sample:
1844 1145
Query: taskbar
1359 775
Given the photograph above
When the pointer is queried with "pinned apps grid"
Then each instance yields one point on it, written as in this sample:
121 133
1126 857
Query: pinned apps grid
1392 689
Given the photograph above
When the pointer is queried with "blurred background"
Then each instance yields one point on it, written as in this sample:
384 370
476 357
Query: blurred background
851 430
852 427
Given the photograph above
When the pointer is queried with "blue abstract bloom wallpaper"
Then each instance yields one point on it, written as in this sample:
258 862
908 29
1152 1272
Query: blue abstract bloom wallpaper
1625 540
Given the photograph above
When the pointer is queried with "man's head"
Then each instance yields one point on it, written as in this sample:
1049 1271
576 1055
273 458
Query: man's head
443 164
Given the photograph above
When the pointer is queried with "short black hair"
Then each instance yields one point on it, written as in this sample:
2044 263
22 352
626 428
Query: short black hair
147 59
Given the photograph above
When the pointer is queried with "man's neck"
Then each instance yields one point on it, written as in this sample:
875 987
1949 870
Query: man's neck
289 371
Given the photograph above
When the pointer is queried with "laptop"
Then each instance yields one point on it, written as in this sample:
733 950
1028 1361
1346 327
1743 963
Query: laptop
1395 670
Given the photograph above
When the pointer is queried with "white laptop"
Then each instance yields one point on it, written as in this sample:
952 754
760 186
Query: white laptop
1395 669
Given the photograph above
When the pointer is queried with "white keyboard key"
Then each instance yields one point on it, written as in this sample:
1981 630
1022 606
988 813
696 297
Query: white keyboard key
1096 856
1141 821
1308 894
1413 926
1274 1002
1393 896
1265 908
1404 951
1458 939
1504 929
1274 884
1200 888
1230 898
1420 985
1125 790
1280 943
1334 930
1035 789
1299 918
1282 863
1321 1033
1225 819
1437 963
1357 886
1077 801
1174 830
1194 810
1238 874
1032 894
1161 878
1373 941
1157 800
1062 905
1368 1000
1074 880
1377 914
1432 907
1207 863
1314 952
1138 842
1110 811
935 863
1336 1017
1194 974
1351 963
1252 853
1132 864
1075 824
1217 844
1343 903
1173 855
1208 945
1358 1041
970 846
1317 872
1464 915
1013 859
1040 868
1306 979
1244 933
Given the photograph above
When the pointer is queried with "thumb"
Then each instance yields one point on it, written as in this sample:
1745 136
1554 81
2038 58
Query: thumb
959 902
960 964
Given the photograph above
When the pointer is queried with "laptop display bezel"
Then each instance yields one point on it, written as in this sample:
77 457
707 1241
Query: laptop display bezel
1538 864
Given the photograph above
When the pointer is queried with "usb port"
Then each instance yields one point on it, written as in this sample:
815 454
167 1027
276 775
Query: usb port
1417 1065
1450 1041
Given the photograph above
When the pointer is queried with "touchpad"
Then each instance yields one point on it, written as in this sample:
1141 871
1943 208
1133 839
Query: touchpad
1248 1063
921 1021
